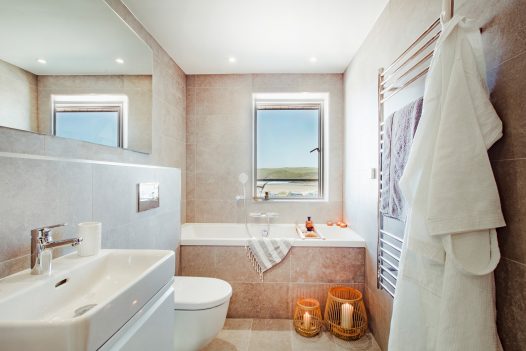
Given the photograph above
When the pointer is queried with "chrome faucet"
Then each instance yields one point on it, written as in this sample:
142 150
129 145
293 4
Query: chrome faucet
41 245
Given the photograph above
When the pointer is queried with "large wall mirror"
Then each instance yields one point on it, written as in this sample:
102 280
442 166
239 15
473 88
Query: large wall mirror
74 69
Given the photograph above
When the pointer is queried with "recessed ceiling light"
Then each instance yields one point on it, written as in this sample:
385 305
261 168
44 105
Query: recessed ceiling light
119 61
232 59
42 61
313 59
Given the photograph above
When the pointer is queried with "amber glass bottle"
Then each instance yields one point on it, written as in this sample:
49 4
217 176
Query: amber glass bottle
309 225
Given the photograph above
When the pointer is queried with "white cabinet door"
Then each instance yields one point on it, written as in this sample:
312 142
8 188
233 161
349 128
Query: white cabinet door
152 328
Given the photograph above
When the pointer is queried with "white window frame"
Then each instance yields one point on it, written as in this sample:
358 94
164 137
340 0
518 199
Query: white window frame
296 100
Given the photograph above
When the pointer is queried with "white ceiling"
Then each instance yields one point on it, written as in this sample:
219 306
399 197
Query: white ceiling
73 36
265 36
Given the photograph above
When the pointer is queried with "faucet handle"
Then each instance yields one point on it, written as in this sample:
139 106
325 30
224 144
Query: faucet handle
45 231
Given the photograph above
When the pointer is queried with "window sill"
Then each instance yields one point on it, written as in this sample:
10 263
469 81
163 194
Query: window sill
255 199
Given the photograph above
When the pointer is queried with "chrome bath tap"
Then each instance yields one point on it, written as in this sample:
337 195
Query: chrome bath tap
41 243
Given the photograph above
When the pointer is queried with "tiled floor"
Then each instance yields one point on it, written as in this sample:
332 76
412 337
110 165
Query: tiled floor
279 335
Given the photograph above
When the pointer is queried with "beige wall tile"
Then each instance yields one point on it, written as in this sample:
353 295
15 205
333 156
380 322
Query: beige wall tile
18 141
18 98
221 127
511 294
508 98
40 193
327 265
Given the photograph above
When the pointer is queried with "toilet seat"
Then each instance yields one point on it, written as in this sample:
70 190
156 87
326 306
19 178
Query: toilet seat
198 293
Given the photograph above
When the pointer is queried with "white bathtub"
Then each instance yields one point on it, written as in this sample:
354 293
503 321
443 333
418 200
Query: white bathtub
235 234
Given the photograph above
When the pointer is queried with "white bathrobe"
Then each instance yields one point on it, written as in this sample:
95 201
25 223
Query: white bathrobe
445 295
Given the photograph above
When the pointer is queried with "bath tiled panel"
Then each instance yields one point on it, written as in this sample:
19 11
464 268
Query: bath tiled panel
330 265
230 267
259 300
50 191
244 302
198 261
304 272
402 21
219 132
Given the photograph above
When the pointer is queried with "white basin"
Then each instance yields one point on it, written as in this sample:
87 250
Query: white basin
35 314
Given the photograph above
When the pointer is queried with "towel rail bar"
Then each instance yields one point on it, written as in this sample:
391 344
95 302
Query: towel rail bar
383 241
390 254
406 84
393 265
386 289
385 279
415 43
383 269
391 235
412 65
392 87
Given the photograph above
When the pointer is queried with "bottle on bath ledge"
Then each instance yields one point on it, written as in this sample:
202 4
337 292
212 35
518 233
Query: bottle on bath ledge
309 225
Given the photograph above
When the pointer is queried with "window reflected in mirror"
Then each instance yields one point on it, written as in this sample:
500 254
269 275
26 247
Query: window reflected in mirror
77 47
99 119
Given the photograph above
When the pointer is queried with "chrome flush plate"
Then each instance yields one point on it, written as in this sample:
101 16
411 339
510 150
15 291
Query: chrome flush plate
148 196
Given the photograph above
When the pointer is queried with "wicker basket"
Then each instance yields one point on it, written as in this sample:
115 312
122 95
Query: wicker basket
307 317
345 315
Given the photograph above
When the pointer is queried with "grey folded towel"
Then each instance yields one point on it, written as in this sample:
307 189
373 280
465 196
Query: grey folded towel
265 253
404 123
386 165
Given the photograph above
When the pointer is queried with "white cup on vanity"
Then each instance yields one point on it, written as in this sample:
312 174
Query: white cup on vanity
90 232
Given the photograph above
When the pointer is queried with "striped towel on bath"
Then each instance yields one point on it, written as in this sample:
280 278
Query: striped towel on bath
265 253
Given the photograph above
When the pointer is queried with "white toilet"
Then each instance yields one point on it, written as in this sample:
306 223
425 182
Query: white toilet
201 305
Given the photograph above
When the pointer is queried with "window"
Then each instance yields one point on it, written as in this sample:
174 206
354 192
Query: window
288 149
98 119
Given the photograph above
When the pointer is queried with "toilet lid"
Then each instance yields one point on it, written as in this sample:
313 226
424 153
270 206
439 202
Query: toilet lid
197 293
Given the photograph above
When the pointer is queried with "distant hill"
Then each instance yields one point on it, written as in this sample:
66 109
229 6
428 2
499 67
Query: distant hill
288 173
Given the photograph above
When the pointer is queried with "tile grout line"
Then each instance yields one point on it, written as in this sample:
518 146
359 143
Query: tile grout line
250 333
508 60
508 159
515 262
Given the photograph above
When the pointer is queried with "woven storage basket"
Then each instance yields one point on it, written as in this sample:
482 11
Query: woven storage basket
307 317
345 315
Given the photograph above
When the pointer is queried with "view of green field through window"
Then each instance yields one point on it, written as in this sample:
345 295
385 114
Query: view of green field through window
286 167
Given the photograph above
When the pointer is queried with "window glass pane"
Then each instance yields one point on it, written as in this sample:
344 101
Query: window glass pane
285 166
93 126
